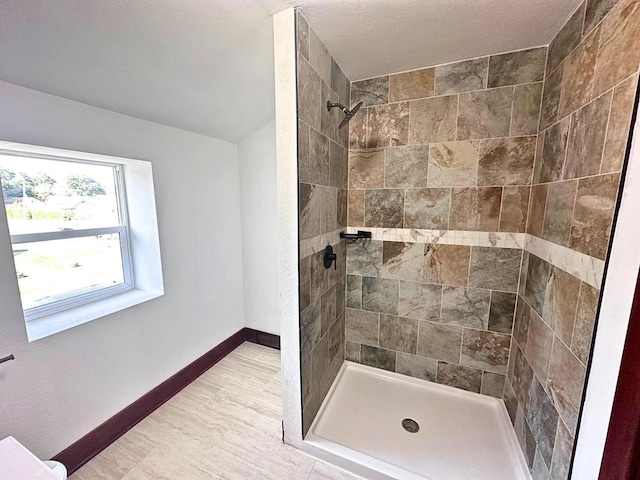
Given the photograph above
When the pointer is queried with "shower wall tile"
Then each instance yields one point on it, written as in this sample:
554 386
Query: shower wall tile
378 357
506 161
362 327
364 258
402 260
384 208
555 145
521 323
495 268
416 366
493 384
538 275
458 376
340 83
406 167
319 57
440 342
596 11
536 214
538 349
527 100
366 169
309 94
352 352
462 76
619 54
561 197
485 113
310 203
619 125
421 301
524 66
399 334
501 312
475 209
358 130
354 291
446 264
562 451
514 209
543 420
566 40
551 98
561 303
303 152
380 295
427 208
585 320
433 120
310 328
411 85
594 209
539 470
374 91
302 36
388 125
453 164
466 307
524 436
579 72
487 351
318 158
355 208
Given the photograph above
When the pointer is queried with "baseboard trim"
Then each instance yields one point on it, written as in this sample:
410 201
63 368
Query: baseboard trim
80 452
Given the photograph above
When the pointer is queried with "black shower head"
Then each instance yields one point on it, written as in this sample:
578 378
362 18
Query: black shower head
349 113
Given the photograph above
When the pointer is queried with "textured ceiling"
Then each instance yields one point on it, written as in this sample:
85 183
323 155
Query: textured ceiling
207 65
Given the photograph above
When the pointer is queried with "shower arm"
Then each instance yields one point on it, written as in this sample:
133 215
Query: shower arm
339 105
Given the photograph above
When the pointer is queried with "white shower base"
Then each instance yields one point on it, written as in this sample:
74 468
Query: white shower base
462 436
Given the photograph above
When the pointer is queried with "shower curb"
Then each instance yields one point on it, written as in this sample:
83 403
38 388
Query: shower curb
90 445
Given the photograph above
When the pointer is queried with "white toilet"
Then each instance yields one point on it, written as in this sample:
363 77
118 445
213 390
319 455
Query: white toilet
58 469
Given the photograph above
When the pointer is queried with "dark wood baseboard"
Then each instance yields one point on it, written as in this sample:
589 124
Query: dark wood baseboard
79 453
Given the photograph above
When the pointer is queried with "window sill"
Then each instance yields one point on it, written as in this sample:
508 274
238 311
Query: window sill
58 322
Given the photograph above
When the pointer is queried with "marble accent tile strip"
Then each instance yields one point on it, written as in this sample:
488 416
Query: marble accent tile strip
313 245
445 237
588 269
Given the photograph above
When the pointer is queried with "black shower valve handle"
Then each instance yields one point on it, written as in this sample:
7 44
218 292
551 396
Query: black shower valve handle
330 258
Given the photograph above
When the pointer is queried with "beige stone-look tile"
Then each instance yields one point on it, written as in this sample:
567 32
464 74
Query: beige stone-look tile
586 139
354 291
562 451
565 382
462 76
538 349
493 384
384 208
116 461
378 358
619 54
330 119
524 435
328 209
555 145
485 114
501 312
319 57
364 258
427 208
318 158
302 35
535 222
524 66
406 167
551 98
579 72
338 166
522 377
466 307
420 301
446 264
593 214
619 125
352 352
475 208
543 420
380 295
303 152
411 85
358 130
495 268
539 470
566 40
309 94
506 161
465 378
488 351
355 208
366 169
440 342
310 204
514 209
164 464
374 91
433 120
339 82
596 11
538 162
362 327
402 260
526 109
388 125
416 366
561 198
453 164
521 323
561 303
585 321
398 333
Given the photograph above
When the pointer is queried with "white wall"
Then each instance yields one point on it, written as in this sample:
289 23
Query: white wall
63 386
258 190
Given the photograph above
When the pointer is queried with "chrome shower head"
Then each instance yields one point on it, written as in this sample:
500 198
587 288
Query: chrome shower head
349 113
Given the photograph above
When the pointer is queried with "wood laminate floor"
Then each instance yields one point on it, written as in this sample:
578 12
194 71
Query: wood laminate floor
225 425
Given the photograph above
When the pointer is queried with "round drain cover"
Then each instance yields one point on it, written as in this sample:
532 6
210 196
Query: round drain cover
410 425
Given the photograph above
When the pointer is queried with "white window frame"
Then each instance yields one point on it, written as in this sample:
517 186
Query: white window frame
122 230
143 237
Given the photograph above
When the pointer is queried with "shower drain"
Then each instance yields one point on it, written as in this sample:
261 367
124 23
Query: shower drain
410 425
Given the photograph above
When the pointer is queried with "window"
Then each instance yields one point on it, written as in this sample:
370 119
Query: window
69 230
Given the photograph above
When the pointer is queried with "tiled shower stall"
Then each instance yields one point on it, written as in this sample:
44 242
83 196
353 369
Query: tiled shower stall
489 186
